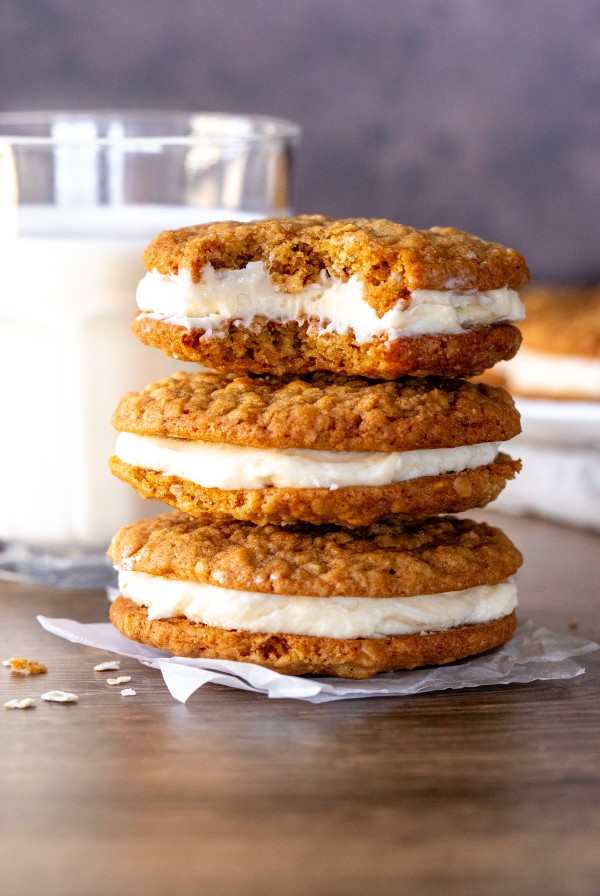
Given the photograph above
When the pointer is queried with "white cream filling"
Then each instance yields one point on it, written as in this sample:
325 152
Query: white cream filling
331 305
215 465
323 617
548 374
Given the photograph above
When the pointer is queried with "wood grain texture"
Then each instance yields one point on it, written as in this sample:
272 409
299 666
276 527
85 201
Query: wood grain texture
491 791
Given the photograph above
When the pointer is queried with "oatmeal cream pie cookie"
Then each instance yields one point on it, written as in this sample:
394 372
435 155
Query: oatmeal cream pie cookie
357 296
323 601
323 448
560 357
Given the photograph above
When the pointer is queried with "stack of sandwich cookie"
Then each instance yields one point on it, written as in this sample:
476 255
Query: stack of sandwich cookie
310 472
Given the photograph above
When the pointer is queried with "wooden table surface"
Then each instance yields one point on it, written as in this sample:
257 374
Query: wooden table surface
486 791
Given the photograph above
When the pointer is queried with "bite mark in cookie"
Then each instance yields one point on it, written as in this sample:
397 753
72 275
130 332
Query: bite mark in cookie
311 293
280 349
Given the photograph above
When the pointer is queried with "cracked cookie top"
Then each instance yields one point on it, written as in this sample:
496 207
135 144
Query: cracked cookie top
392 260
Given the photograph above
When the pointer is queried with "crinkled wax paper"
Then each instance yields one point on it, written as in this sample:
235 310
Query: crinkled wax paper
533 654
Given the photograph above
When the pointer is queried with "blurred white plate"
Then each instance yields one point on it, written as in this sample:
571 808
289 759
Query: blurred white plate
561 482
560 422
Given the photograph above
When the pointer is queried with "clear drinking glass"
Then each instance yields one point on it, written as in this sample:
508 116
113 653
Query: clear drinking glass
81 194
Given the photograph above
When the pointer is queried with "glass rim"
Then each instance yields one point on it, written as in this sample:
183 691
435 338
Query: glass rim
263 128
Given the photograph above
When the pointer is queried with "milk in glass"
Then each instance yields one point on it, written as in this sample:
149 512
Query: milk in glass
66 357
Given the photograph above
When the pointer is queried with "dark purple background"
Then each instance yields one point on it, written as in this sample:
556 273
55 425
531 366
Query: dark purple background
484 114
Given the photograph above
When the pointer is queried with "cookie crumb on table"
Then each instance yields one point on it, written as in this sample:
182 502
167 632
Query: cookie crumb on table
25 703
60 697
25 667
109 666
122 679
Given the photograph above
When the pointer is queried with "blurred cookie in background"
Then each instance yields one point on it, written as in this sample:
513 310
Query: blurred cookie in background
560 355
556 383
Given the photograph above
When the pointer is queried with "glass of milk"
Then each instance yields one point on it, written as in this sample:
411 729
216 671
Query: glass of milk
81 195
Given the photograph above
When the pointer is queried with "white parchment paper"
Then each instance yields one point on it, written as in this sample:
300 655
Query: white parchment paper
533 654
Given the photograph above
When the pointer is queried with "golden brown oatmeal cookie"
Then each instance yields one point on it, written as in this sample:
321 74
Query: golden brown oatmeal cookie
393 559
321 412
561 347
562 321
356 296
282 348
303 655
352 506
391 259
